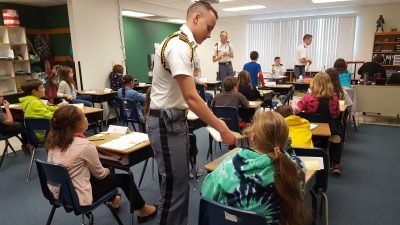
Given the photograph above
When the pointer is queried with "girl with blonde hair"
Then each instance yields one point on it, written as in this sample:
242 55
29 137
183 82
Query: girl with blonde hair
263 178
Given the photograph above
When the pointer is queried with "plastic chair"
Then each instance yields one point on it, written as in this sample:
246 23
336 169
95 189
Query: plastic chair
6 145
130 113
201 90
268 102
321 180
57 175
214 213
285 99
34 126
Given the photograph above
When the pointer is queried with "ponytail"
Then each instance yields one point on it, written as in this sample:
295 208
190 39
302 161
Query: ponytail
125 81
287 184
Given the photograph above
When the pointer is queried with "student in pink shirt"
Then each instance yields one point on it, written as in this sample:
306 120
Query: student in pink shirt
68 146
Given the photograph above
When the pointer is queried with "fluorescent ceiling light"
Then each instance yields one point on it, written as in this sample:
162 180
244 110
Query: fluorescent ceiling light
242 8
180 21
327 1
135 14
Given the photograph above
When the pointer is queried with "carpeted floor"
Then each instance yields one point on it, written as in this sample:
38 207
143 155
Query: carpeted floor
366 193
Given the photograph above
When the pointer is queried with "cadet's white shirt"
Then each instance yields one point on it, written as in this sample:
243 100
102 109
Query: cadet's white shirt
301 52
220 48
165 91
278 70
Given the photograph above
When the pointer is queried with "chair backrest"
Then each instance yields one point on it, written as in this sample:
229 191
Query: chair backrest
36 126
214 213
394 79
267 100
322 176
56 175
134 110
229 115
322 115
289 95
201 90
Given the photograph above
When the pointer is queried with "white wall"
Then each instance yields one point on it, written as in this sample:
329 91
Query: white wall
236 27
95 39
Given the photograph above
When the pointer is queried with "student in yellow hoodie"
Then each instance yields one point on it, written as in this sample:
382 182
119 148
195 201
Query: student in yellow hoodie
32 106
299 128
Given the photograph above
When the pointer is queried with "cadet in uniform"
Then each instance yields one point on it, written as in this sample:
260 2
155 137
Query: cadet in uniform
173 91
302 57
223 53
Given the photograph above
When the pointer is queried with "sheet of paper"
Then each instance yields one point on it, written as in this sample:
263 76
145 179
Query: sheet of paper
107 90
312 126
89 92
216 136
203 79
252 103
117 145
117 129
134 138
270 83
191 115
312 163
14 105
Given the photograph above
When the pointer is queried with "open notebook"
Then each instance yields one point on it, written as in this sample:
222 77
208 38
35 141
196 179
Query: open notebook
126 141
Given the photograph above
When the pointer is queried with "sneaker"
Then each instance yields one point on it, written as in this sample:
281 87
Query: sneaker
336 170
335 139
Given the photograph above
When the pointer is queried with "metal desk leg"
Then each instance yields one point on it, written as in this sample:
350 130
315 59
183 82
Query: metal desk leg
132 211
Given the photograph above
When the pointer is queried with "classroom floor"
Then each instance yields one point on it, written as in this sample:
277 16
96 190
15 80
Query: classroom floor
366 193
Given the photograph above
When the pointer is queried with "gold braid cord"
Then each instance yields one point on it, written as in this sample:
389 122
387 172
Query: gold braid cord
183 37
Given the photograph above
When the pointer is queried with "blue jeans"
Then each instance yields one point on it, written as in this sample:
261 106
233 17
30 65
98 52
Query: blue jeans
85 99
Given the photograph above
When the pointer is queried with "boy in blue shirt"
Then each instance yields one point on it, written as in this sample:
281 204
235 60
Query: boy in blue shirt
253 68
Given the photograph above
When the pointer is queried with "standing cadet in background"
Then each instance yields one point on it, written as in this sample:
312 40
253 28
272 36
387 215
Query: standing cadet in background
173 92
302 57
223 53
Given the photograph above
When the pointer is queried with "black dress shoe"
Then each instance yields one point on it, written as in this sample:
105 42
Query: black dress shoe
142 219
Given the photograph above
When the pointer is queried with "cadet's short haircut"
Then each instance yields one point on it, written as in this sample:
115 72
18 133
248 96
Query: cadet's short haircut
307 36
284 110
229 83
277 58
31 85
197 6
253 55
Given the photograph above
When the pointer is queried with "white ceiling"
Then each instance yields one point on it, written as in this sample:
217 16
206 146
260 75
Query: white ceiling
177 8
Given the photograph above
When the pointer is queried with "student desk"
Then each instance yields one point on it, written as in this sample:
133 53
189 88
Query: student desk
142 87
100 96
93 115
300 86
213 85
130 157
209 167
280 88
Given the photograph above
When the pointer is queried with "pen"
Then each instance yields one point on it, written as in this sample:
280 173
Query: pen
96 139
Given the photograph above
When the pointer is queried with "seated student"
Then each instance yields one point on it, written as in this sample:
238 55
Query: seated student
337 88
277 68
67 90
115 77
344 75
244 86
253 68
262 178
9 127
32 106
68 146
321 100
373 69
230 96
299 128
127 93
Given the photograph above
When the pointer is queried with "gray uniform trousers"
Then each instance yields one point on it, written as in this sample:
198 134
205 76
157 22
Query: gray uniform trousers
225 69
168 134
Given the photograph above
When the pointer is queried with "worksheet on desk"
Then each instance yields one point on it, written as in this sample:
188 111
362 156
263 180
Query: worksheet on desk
312 163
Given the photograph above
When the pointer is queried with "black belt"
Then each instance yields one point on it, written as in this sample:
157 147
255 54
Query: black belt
299 65
225 63
159 112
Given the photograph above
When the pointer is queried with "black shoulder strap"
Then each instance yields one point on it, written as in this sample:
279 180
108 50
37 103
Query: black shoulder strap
182 36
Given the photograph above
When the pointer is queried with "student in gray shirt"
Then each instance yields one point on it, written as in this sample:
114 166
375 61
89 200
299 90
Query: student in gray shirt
230 96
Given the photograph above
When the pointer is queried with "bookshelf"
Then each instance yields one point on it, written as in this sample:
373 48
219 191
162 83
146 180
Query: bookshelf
388 44
15 66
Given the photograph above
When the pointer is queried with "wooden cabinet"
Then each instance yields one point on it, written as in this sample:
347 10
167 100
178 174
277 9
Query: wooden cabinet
388 44
15 66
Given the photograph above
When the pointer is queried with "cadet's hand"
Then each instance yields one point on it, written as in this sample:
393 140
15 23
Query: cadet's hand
227 136
6 104
69 97
201 83
309 61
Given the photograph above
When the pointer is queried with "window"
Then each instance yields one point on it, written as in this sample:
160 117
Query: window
333 37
